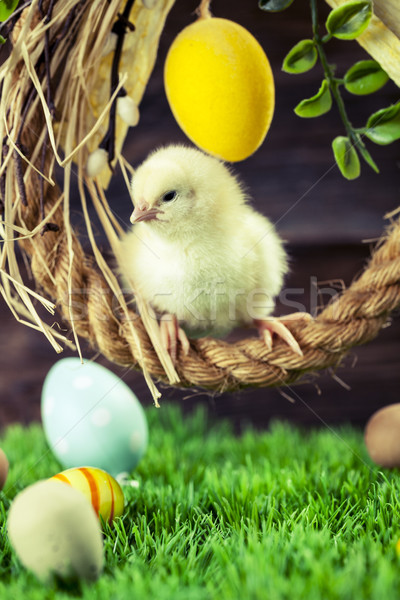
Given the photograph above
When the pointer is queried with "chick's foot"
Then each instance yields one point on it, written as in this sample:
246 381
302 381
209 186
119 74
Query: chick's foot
171 334
273 325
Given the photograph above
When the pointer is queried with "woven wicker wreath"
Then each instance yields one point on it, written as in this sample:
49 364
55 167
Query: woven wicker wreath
55 106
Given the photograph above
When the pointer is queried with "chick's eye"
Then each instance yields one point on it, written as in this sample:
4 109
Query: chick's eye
168 196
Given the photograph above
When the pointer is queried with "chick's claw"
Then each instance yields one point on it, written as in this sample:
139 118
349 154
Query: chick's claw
267 337
171 334
267 327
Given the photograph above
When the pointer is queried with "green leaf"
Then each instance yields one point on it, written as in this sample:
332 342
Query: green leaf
7 7
346 157
383 127
302 57
349 20
365 77
2 40
317 105
366 155
274 5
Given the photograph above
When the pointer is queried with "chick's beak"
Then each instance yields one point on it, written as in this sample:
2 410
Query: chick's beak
143 212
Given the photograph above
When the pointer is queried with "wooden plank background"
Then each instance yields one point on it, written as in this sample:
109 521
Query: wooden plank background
294 181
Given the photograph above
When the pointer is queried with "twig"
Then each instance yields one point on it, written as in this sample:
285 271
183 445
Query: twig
20 146
52 109
47 19
203 11
120 27
28 103
333 83
47 226
67 26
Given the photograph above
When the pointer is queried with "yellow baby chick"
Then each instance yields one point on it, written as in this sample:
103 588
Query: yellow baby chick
198 253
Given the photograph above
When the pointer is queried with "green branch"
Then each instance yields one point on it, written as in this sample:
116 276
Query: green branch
333 83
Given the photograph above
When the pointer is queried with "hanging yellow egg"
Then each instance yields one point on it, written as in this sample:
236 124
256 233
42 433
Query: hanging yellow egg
220 87
100 488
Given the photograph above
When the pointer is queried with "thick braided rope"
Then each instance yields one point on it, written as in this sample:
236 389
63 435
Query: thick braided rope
354 318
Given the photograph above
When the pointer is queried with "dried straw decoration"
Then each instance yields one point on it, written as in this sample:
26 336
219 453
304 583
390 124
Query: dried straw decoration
56 109
381 39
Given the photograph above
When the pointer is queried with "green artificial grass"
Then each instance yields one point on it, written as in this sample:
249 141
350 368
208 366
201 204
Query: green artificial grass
281 514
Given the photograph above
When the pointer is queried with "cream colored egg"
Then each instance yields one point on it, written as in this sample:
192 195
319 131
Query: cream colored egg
3 468
54 531
382 436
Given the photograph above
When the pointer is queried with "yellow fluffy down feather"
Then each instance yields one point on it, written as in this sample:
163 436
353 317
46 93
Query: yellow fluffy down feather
198 251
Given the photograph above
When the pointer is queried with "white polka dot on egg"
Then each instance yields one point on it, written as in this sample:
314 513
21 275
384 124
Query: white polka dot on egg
135 441
82 382
49 406
101 417
62 446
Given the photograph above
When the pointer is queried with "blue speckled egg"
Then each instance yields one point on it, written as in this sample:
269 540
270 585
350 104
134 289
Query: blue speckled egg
91 417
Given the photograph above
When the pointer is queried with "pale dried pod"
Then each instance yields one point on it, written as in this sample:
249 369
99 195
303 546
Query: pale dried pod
96 162
128 110
110 44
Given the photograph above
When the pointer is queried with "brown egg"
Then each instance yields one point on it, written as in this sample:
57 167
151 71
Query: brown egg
382 436
3 468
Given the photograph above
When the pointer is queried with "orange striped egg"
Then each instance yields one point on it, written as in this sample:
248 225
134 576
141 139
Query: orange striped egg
102 490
